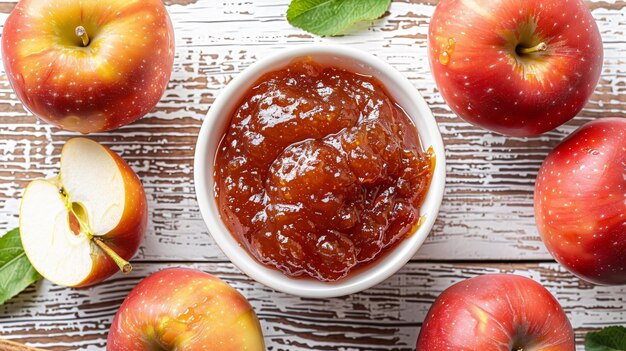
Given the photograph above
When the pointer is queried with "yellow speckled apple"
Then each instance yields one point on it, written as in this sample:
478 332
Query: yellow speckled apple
185 309
88 66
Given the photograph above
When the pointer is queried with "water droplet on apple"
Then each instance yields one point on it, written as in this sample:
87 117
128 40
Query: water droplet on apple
445 55
444 58
451 43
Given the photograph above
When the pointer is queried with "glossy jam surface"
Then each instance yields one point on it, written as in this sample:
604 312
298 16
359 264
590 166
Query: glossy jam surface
320 171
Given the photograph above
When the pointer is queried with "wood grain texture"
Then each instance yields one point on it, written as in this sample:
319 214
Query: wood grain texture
8 345
486 214
387 317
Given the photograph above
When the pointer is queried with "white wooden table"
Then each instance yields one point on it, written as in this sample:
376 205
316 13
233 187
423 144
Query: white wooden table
486 223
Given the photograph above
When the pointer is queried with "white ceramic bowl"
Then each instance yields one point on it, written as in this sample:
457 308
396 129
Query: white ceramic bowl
218 118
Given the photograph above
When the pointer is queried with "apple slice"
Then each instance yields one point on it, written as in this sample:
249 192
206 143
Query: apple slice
82 226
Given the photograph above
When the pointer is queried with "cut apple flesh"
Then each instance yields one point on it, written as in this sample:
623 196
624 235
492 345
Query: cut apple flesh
91 178
54 250
59 218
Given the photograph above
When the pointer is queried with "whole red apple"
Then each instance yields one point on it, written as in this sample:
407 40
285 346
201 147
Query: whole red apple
185 309
580 202
88 66
515 67
82 226
499 312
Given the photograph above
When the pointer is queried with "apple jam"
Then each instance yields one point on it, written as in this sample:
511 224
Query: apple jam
320 171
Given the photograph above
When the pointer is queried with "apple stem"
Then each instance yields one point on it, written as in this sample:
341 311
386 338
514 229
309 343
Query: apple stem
539 47
82 33
124 265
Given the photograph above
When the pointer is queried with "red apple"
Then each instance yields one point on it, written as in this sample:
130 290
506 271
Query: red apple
580 202
517 67
82 226
88 66
500 312
185 309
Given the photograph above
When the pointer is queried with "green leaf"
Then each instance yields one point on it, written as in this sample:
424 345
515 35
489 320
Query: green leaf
607 339
332 17
16 272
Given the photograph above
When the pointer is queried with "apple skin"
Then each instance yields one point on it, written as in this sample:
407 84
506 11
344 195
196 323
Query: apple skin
116 80
498 312
481 76
580 202
185 309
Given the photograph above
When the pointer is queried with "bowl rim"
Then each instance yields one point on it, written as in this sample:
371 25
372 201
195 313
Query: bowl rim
395 259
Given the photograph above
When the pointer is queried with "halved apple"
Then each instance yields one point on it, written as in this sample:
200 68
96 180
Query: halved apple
81 227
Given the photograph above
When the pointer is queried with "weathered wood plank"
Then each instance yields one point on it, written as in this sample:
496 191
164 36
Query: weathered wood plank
487 211
387 317
8 345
